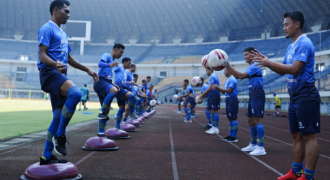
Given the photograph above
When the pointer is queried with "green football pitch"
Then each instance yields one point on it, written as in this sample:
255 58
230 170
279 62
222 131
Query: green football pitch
19 117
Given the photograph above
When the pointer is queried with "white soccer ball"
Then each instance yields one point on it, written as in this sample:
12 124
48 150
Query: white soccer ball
153 103
159 102
196 81
198 100
217 60
175 97
204 60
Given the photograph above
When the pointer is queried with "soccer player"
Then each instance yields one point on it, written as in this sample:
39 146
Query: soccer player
129 86
141 101
105 89
137 92
165 101
189 101
85 96
231 105
178 100
54 55
214 100
277 104
205 86
256 104
304 108
123 94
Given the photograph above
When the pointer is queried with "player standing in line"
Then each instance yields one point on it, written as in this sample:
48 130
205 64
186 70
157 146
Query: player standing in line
129 86
205 86
145 87
231 105
277 104
304 108
123 94
85 97
189 101
178 101
256 102
141 101
136 91
165 99
54 55
214 100
105 89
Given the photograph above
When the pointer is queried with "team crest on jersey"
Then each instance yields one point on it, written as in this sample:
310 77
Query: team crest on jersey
109 77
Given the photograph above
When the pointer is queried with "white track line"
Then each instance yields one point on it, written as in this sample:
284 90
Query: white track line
280 141
253 157
175 169
84 158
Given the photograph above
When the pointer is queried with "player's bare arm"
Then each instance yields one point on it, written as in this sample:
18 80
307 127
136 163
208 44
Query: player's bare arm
237 74
74 63
281 69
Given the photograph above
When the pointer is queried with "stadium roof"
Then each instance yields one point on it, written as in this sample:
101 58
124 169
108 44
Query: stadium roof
166 19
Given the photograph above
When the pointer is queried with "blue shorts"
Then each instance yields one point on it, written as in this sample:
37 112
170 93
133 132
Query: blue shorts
305 117
102 89
190 101
142 100
213 104
256 108
51 81
232 108
121 96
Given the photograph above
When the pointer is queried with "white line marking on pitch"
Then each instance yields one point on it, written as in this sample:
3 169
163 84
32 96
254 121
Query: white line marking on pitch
253 157
281 141
84 158
175 169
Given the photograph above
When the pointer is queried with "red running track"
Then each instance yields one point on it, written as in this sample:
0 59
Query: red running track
167 148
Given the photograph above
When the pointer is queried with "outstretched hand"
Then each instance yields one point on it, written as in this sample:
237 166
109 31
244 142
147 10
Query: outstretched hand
261 59
94 75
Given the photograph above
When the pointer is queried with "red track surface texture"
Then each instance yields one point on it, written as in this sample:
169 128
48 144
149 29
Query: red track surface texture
167 148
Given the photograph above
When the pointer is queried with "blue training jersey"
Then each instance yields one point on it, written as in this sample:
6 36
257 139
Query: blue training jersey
56 40
302 86
85 92
141 88
256 82
106 73
120 79
231 82
145 87
214 80
190 90
130 78
148 94
204 88
135 89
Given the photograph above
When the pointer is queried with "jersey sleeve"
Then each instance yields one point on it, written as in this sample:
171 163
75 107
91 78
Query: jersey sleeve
44 36
252 70
212 80
303 52
87 92
231 83
104 58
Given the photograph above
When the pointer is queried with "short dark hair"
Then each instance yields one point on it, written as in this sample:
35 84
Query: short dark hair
296 16
135 75
85 85
148 77
118 46
249 49
208 68
144 80
133 65
187 81
125 59
59 4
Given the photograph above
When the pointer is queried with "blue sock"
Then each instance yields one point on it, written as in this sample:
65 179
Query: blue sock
102 125
188 112
119 116
124 119
208 117
73 97
230 128
215 120
253 131
131 100
192 114
179 108
107 101
235 128
297 168
309 174
261 134
140 110
152 108
51 132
